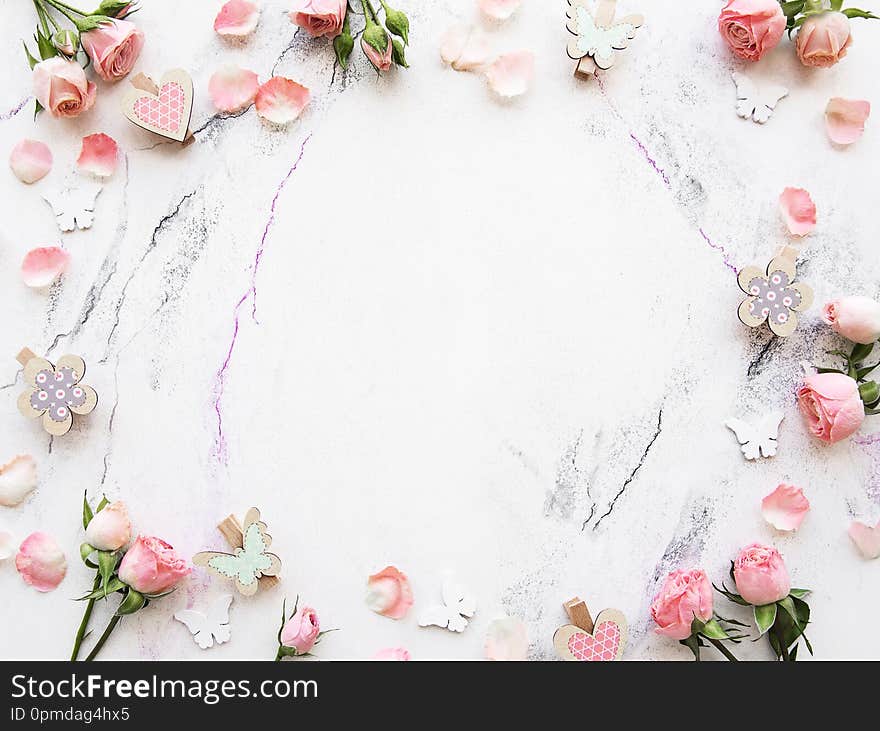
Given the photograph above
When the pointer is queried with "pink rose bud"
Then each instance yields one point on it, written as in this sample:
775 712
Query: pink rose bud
60 85
751 27
319 17
110 528
114 48
372 40
831 406
301 630
683 596
151 566
760 575
66 41
856 318
823 39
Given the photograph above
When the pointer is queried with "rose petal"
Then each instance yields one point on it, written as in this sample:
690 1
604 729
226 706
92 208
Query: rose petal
499 9
233 88
7 545
785 507
281 100
392 653
98 155
464 48
18 478
507 639
41 562
30 160
389 593
798 210
40 267
845 119
237 18
867 539
509 75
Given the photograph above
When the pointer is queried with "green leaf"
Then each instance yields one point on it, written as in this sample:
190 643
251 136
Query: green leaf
132 602
799 593
829 370
44 46
856 13
730 595
103 504
713 631
106 566
693 644
397 53
30 59
862 372
870 392
90 22
860 352
790 9
765 616
113 586
86 550
87 512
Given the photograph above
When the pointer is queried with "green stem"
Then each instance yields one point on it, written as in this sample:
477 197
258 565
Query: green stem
41 16
58 4
87 615
111 625
278 654
60 8
369 13
719 645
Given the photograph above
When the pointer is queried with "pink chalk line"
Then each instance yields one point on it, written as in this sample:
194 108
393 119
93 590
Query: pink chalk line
657 169
219 452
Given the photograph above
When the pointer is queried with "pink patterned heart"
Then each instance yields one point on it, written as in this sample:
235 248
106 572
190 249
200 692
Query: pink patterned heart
164 112
601 646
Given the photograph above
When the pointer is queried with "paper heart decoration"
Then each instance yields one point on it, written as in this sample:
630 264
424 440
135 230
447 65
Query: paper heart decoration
165 109
604 644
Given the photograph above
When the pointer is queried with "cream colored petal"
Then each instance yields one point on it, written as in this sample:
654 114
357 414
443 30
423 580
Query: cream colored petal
783 264
746 317
806 292
785 329
24 406
34 366
74 362
57 428
746 275
90 403
18 478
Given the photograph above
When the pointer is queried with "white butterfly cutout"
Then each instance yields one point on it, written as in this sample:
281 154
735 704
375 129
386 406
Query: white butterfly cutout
757 439
74 204
206 628
458 605
754 102
598 41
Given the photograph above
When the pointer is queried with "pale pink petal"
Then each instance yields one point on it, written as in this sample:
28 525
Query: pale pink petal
43 266
41 562
798 210
509 75
464 48
7 545
30 160
392 653
507 639
499 9
785 507
281 100
389 593
232 88
845 119
18 478
237 18
98 155
867 539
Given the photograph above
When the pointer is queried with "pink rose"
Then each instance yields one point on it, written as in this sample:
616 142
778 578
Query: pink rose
381 61
831 406
110 528
320 17
856 318
151 566
823 39
301 630
683 596
114 48
751 27
61 87
760 575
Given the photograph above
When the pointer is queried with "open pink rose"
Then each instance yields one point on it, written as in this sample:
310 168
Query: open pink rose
751 27
320 17
823 39
110 528
61 87
114 48
151 566
856 318
831 406
301 630
760 575
683 596
389 593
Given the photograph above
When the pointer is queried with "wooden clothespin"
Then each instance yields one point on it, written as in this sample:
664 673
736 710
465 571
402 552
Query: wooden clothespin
25 355
579 614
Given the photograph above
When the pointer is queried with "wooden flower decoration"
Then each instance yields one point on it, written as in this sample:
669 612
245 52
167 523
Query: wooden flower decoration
55 392
773 296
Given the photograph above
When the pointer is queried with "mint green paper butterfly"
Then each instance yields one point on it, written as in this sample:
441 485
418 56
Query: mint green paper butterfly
248 563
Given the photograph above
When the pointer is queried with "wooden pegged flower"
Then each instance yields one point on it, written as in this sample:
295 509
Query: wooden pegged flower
774 296
55 392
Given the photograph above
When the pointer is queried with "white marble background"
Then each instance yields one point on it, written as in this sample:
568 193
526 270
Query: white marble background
489 337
